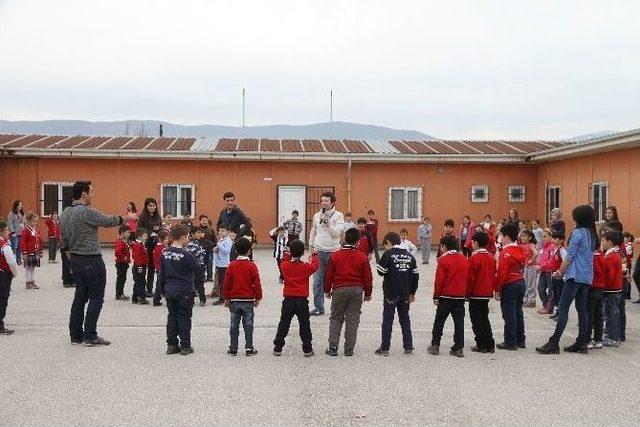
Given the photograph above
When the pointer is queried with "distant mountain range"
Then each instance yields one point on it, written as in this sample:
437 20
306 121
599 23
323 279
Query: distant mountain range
336 130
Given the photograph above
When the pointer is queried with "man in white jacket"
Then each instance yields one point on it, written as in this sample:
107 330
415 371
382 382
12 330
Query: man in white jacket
325 239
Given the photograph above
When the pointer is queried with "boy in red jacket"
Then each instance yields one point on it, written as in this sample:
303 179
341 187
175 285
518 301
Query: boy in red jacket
595 300
448 230
123 259
510 288
613 278
31 248
449 291
481 281
242 292
140 264
54 235
8 270
296 296
365 244
346 279
164 240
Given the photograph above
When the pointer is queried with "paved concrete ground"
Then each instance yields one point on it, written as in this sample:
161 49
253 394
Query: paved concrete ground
45 380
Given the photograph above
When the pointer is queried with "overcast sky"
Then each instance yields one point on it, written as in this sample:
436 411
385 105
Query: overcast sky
454 69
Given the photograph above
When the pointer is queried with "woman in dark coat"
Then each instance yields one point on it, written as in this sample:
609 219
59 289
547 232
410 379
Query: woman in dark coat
150 220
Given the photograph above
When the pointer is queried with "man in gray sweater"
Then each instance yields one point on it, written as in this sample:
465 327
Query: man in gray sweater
79 224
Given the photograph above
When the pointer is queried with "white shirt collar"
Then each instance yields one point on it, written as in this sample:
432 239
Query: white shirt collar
510 244
612 250
481 251
242 257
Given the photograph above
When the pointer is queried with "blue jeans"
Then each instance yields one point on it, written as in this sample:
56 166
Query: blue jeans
578 291
241 310
318 280
612 310
90 277
15 245
511 299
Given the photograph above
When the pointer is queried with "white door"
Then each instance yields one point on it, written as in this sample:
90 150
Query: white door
290 198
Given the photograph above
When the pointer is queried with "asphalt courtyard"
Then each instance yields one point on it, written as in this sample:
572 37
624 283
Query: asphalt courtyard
47 381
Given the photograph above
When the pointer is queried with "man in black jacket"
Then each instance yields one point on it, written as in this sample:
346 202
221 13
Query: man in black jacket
208 242
232 216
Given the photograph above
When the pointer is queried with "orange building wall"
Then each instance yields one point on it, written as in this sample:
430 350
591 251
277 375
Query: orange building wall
446 190
620 169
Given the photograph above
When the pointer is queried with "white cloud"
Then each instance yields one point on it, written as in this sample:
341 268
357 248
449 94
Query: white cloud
459 69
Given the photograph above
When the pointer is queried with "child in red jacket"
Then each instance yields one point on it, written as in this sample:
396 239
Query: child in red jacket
346 279
365 244
31 248
164 240
510 288
54 236
448 230
449 292
613 278
242 292
296 293
123 259
140 264
481 281
595 300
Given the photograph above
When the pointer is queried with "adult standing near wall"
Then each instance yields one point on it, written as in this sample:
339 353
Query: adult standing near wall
15 221
513 217
467 230
151 221
232 217
80 223
577 269
324 238
424 237
557 223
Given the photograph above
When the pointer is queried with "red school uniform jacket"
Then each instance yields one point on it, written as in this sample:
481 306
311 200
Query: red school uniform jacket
510 266
123 251
54 227
348 267
242 281
491 245
451 276
157 253
365 244
296 275
372 227
613 271
599 267
481 277
139 254
4 265
30 241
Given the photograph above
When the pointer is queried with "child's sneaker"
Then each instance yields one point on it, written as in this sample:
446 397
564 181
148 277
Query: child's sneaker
332 351
597 344
250 351
408 351
173 349
591 345
309 353
434 350
381 352
458 353
277 351
607 342
232 352
186 350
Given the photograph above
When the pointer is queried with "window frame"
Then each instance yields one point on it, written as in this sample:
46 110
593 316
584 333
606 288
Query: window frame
604 204
524 194
60 201
178 201
405 204
548 205
477 187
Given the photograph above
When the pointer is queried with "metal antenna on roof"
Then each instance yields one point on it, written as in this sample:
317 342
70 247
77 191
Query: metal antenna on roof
331 114
243 112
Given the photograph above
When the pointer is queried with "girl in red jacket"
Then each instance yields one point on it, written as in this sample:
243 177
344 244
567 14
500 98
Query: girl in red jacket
31 247
54 235
528 243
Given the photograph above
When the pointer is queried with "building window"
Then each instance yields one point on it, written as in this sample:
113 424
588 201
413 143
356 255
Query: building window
55 196
480 193
405 203
178 200
553 200
599 199
516 193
